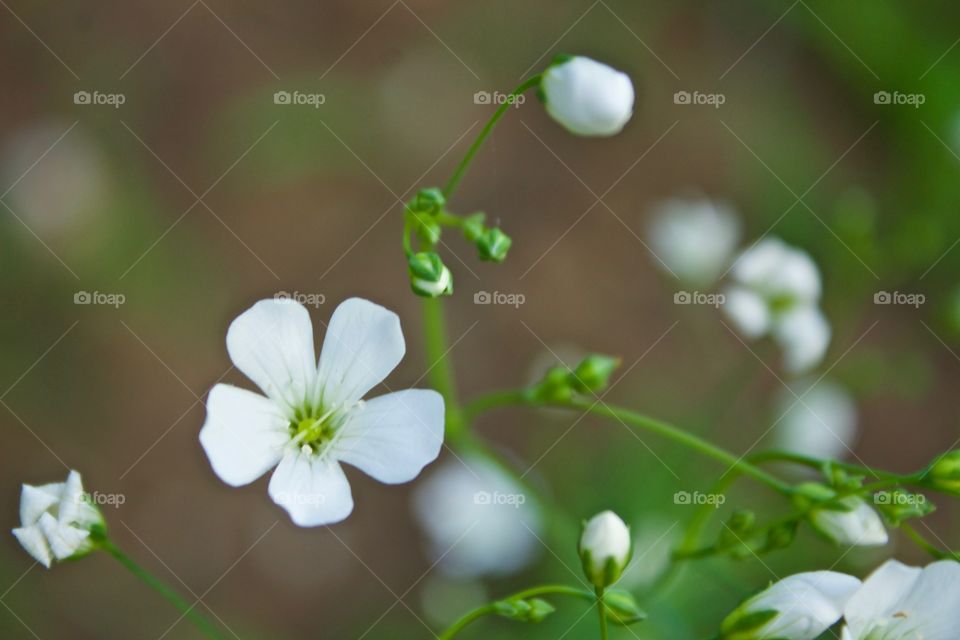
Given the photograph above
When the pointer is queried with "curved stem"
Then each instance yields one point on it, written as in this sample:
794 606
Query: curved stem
493 400
928 546
440 372
187 609
488 609
487 128
816 463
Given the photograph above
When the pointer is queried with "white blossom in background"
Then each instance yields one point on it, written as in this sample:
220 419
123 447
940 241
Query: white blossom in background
694 239
898 602
312 415
860 526
823 424
587 97
56 520
776 291
477 520
798 607
605 547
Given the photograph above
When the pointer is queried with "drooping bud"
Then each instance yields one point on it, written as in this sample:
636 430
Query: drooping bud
473 227
429 277
605 548
851 523
430 201
493 245
944 474
593 373
587 97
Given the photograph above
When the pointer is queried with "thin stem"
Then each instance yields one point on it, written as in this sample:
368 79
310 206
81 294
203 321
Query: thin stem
440 373
493 400
602 613
472 151
816 463
928 546
187 609
488 609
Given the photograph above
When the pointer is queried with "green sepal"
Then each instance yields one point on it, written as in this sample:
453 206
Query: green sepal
739 625
621 607
473 227
493 245
593 373
530 610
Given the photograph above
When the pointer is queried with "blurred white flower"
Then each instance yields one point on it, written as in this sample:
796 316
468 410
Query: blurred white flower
798 607
695 239
605 548
860 526
56 185
313 416
897 602
477 520
823 424
587 97
776 292
56 520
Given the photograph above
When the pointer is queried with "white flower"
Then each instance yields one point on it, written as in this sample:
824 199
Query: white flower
605 548
860 526
897 602
776 292
823 424
798 607
694 239
312 416
477 520
56 520
588 97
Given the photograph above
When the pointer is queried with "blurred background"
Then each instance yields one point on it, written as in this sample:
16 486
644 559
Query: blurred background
153 188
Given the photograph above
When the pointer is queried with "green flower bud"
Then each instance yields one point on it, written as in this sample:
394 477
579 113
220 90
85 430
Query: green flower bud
944 474
809 493
473 227
428 229
605 548
531 610
493 245
899 505
621 608
429 277
430 201
593 373
555 387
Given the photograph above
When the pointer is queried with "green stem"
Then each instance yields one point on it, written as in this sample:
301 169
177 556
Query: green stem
816 463
488 609
187 609
926 545
493 400
602 614
472 151
440 373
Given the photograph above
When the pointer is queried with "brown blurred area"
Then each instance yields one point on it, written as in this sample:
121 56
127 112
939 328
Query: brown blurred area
214 197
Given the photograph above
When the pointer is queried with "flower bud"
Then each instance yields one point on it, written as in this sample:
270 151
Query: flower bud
799 607
555 386
944 474
430 201
531 610
429 277
857 524
58 521
604 548
472 226
593 373
587 97
493 245
621 607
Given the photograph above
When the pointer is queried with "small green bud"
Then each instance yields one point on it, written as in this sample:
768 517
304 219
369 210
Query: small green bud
473 227
429 277
899 505
605 548
430 201
531 610
741 521
781 536
621 607
944 474
555 387
809 493
493 245
593 373
428 229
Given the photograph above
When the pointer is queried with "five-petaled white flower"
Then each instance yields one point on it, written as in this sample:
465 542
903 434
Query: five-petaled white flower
897 602
56 519
587 97
777 292
313 416
798 607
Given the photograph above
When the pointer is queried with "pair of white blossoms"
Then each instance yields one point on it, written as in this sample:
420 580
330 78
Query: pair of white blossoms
311 415
895 602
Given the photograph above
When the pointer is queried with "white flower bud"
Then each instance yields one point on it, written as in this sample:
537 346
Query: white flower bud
56 520
861 526
587 97
799 607
604 548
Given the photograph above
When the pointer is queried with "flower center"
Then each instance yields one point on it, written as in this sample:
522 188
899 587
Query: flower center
315 430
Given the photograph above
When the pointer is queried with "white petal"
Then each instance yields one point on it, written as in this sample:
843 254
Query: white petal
861 526
243 435
75 507
65 541
31 539
362 346
312 489
823 424
878 598
804 335
807 603
777 270
694 238
748 311
588 97
272 343
35 501
394 436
